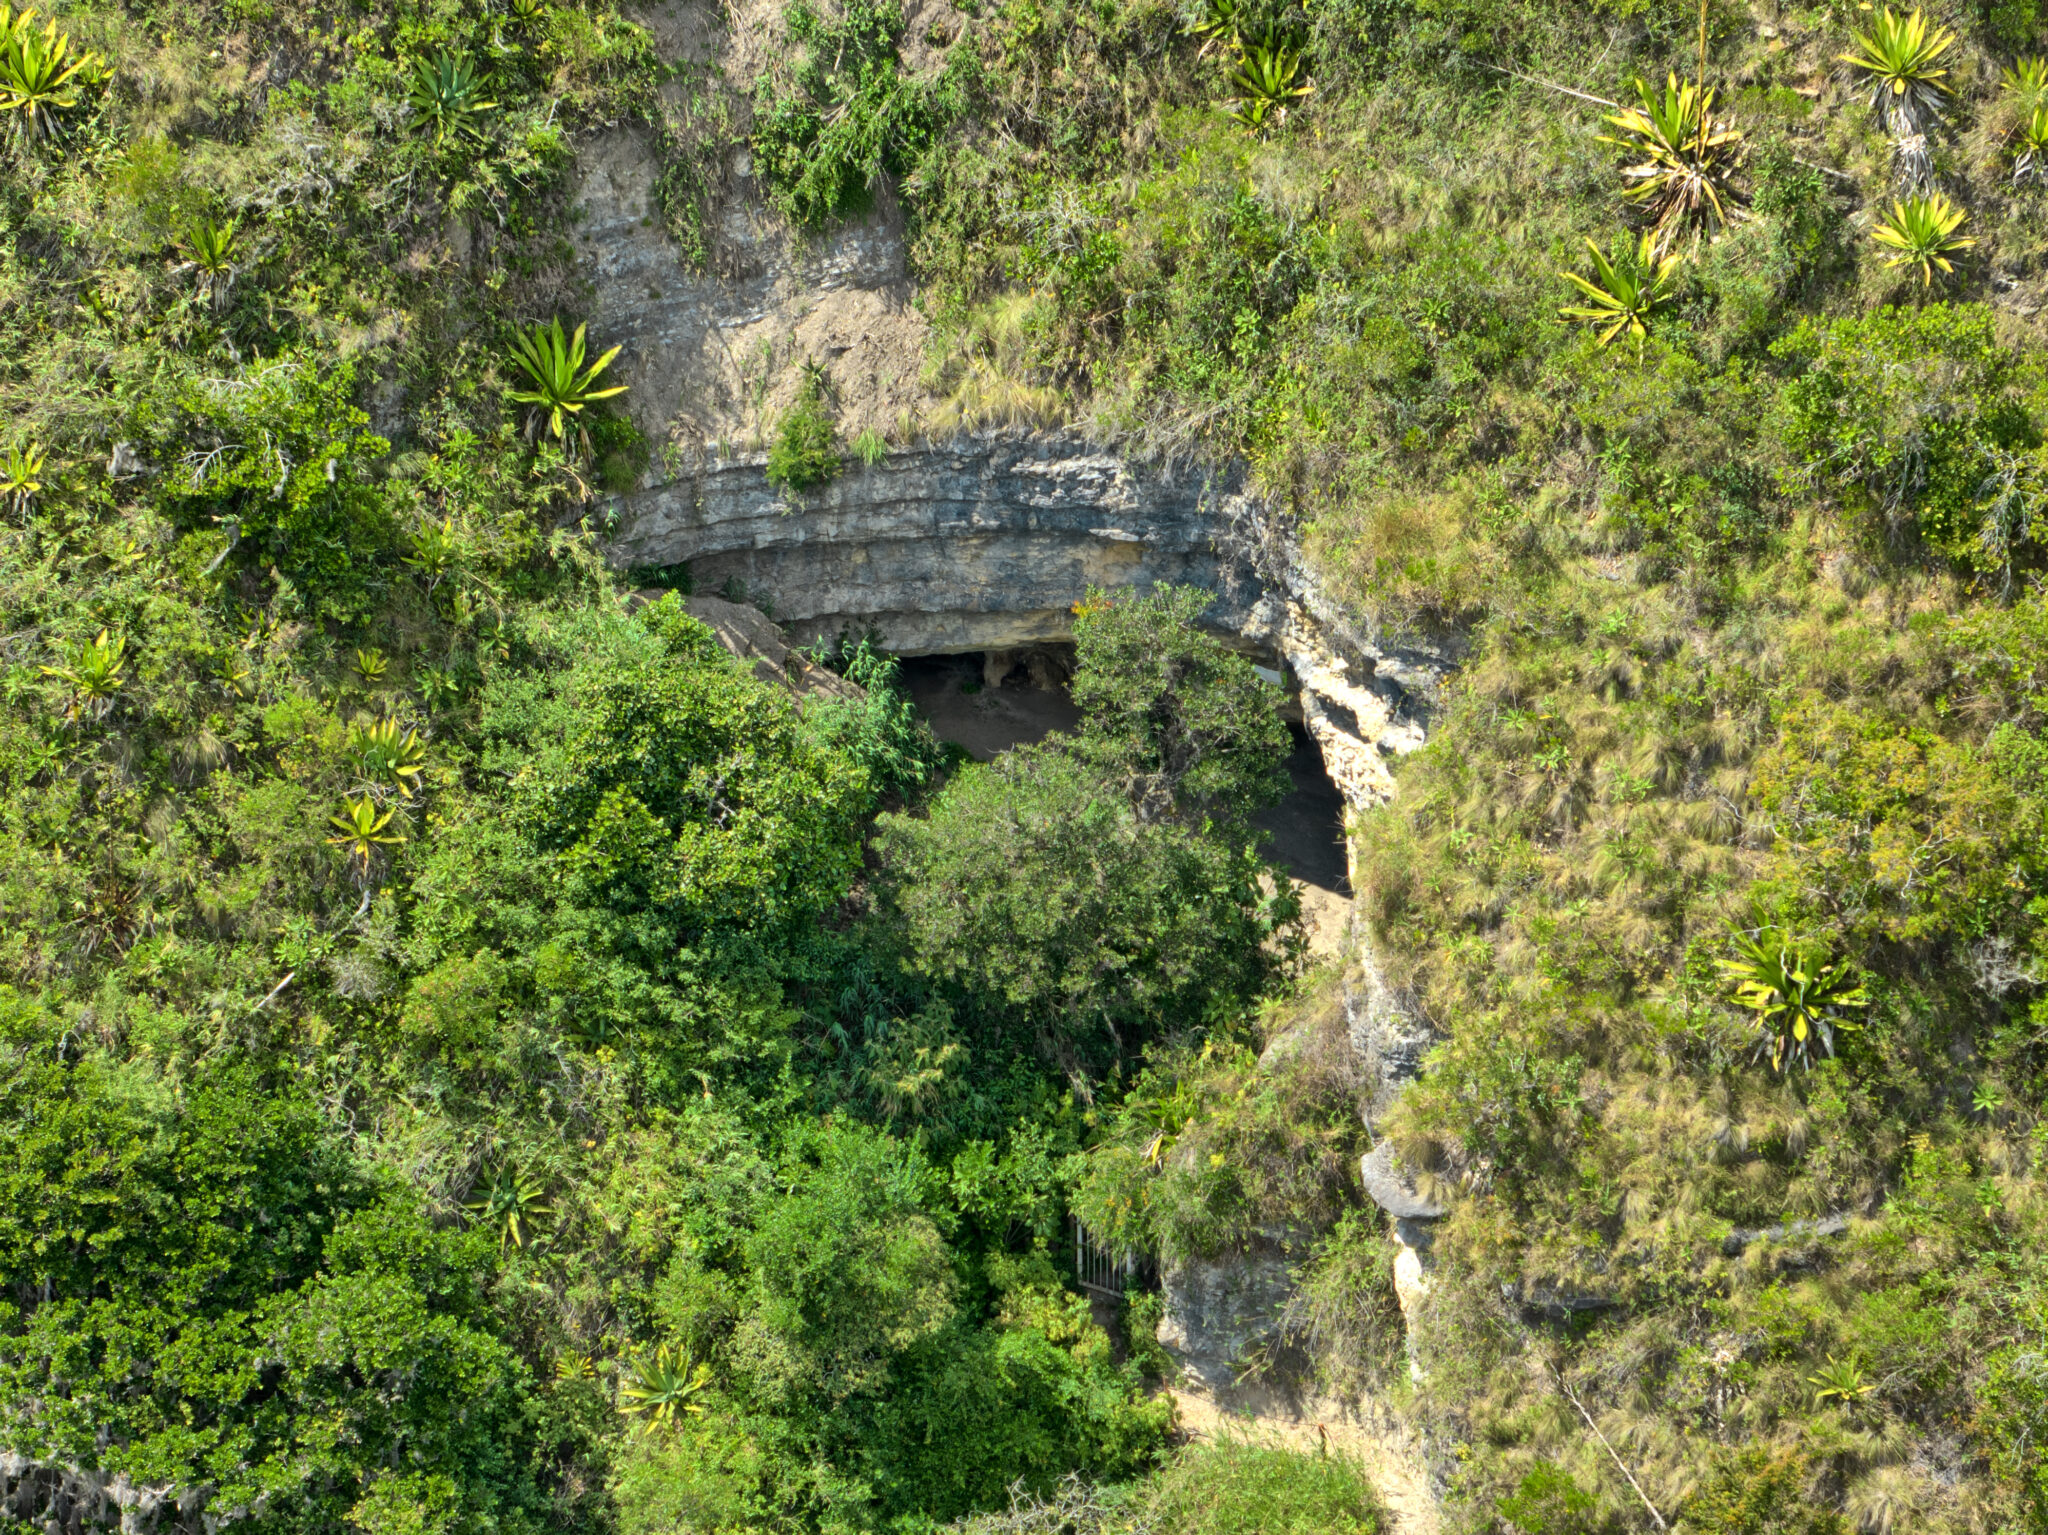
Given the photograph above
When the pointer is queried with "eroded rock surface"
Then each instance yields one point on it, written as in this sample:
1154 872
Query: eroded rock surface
983 544
1220 1311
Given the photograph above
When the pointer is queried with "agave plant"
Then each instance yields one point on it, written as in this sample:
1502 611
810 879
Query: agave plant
1268 78
2027 83
94 676
1840 1380
361 828
212 250
39 75
1799 1000
386 754
1218 23
1923 232
448 96
1167 1116
509 1204
1624 292
434 551
2030 161
560 385
660 1385
21 480
1688 154
1899 61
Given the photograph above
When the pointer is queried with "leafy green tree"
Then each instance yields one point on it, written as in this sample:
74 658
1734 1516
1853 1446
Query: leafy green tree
1035 890
203 1290
1185 726
1901 413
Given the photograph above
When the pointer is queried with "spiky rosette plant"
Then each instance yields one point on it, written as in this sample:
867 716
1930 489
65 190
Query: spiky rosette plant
1688 154
448 97
1625 290
2027 84
559 385
40 76
1270 77
1900 62
2030 156
659 1386
1924 232
1799 999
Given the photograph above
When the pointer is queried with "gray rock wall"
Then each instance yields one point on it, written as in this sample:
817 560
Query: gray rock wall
980 544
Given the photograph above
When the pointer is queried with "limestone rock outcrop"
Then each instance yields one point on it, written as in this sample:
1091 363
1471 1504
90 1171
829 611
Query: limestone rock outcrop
981 544
1220 1311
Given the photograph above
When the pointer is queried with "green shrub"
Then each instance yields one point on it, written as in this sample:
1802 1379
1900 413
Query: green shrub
1906 411
829 122
805 452
1233 1488
1757 1491
1549 1502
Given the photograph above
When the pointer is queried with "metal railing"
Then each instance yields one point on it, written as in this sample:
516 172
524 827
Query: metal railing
1105 1272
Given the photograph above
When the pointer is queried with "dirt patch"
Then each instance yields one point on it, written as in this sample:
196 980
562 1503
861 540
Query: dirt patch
987 720
713 359
1391 1458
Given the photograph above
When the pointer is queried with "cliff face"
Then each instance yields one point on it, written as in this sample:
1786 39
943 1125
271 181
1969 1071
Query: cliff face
975 545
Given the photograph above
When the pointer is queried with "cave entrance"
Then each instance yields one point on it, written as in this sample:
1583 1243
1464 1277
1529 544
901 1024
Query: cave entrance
992 701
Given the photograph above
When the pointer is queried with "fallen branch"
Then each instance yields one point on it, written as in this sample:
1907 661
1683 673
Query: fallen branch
1573 1398
1549 85
1602 101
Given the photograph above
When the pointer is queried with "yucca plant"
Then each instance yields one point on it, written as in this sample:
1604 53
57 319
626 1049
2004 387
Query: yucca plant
1900 61
660 1385
1167 1116
1688 154
529 10
2027 83
434 551
1923 230
1624 292
1839 1380
1798 999
386 754
560 384
2030 157
448 97
1217 22
370 667
39 75
95 675
212 250
21 481
1269 79
509 1203
361 828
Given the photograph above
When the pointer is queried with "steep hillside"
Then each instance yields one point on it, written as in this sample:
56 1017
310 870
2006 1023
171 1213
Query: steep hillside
487 1043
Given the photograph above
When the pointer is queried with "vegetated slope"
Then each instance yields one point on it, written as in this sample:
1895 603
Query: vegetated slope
1721 877
466 1062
